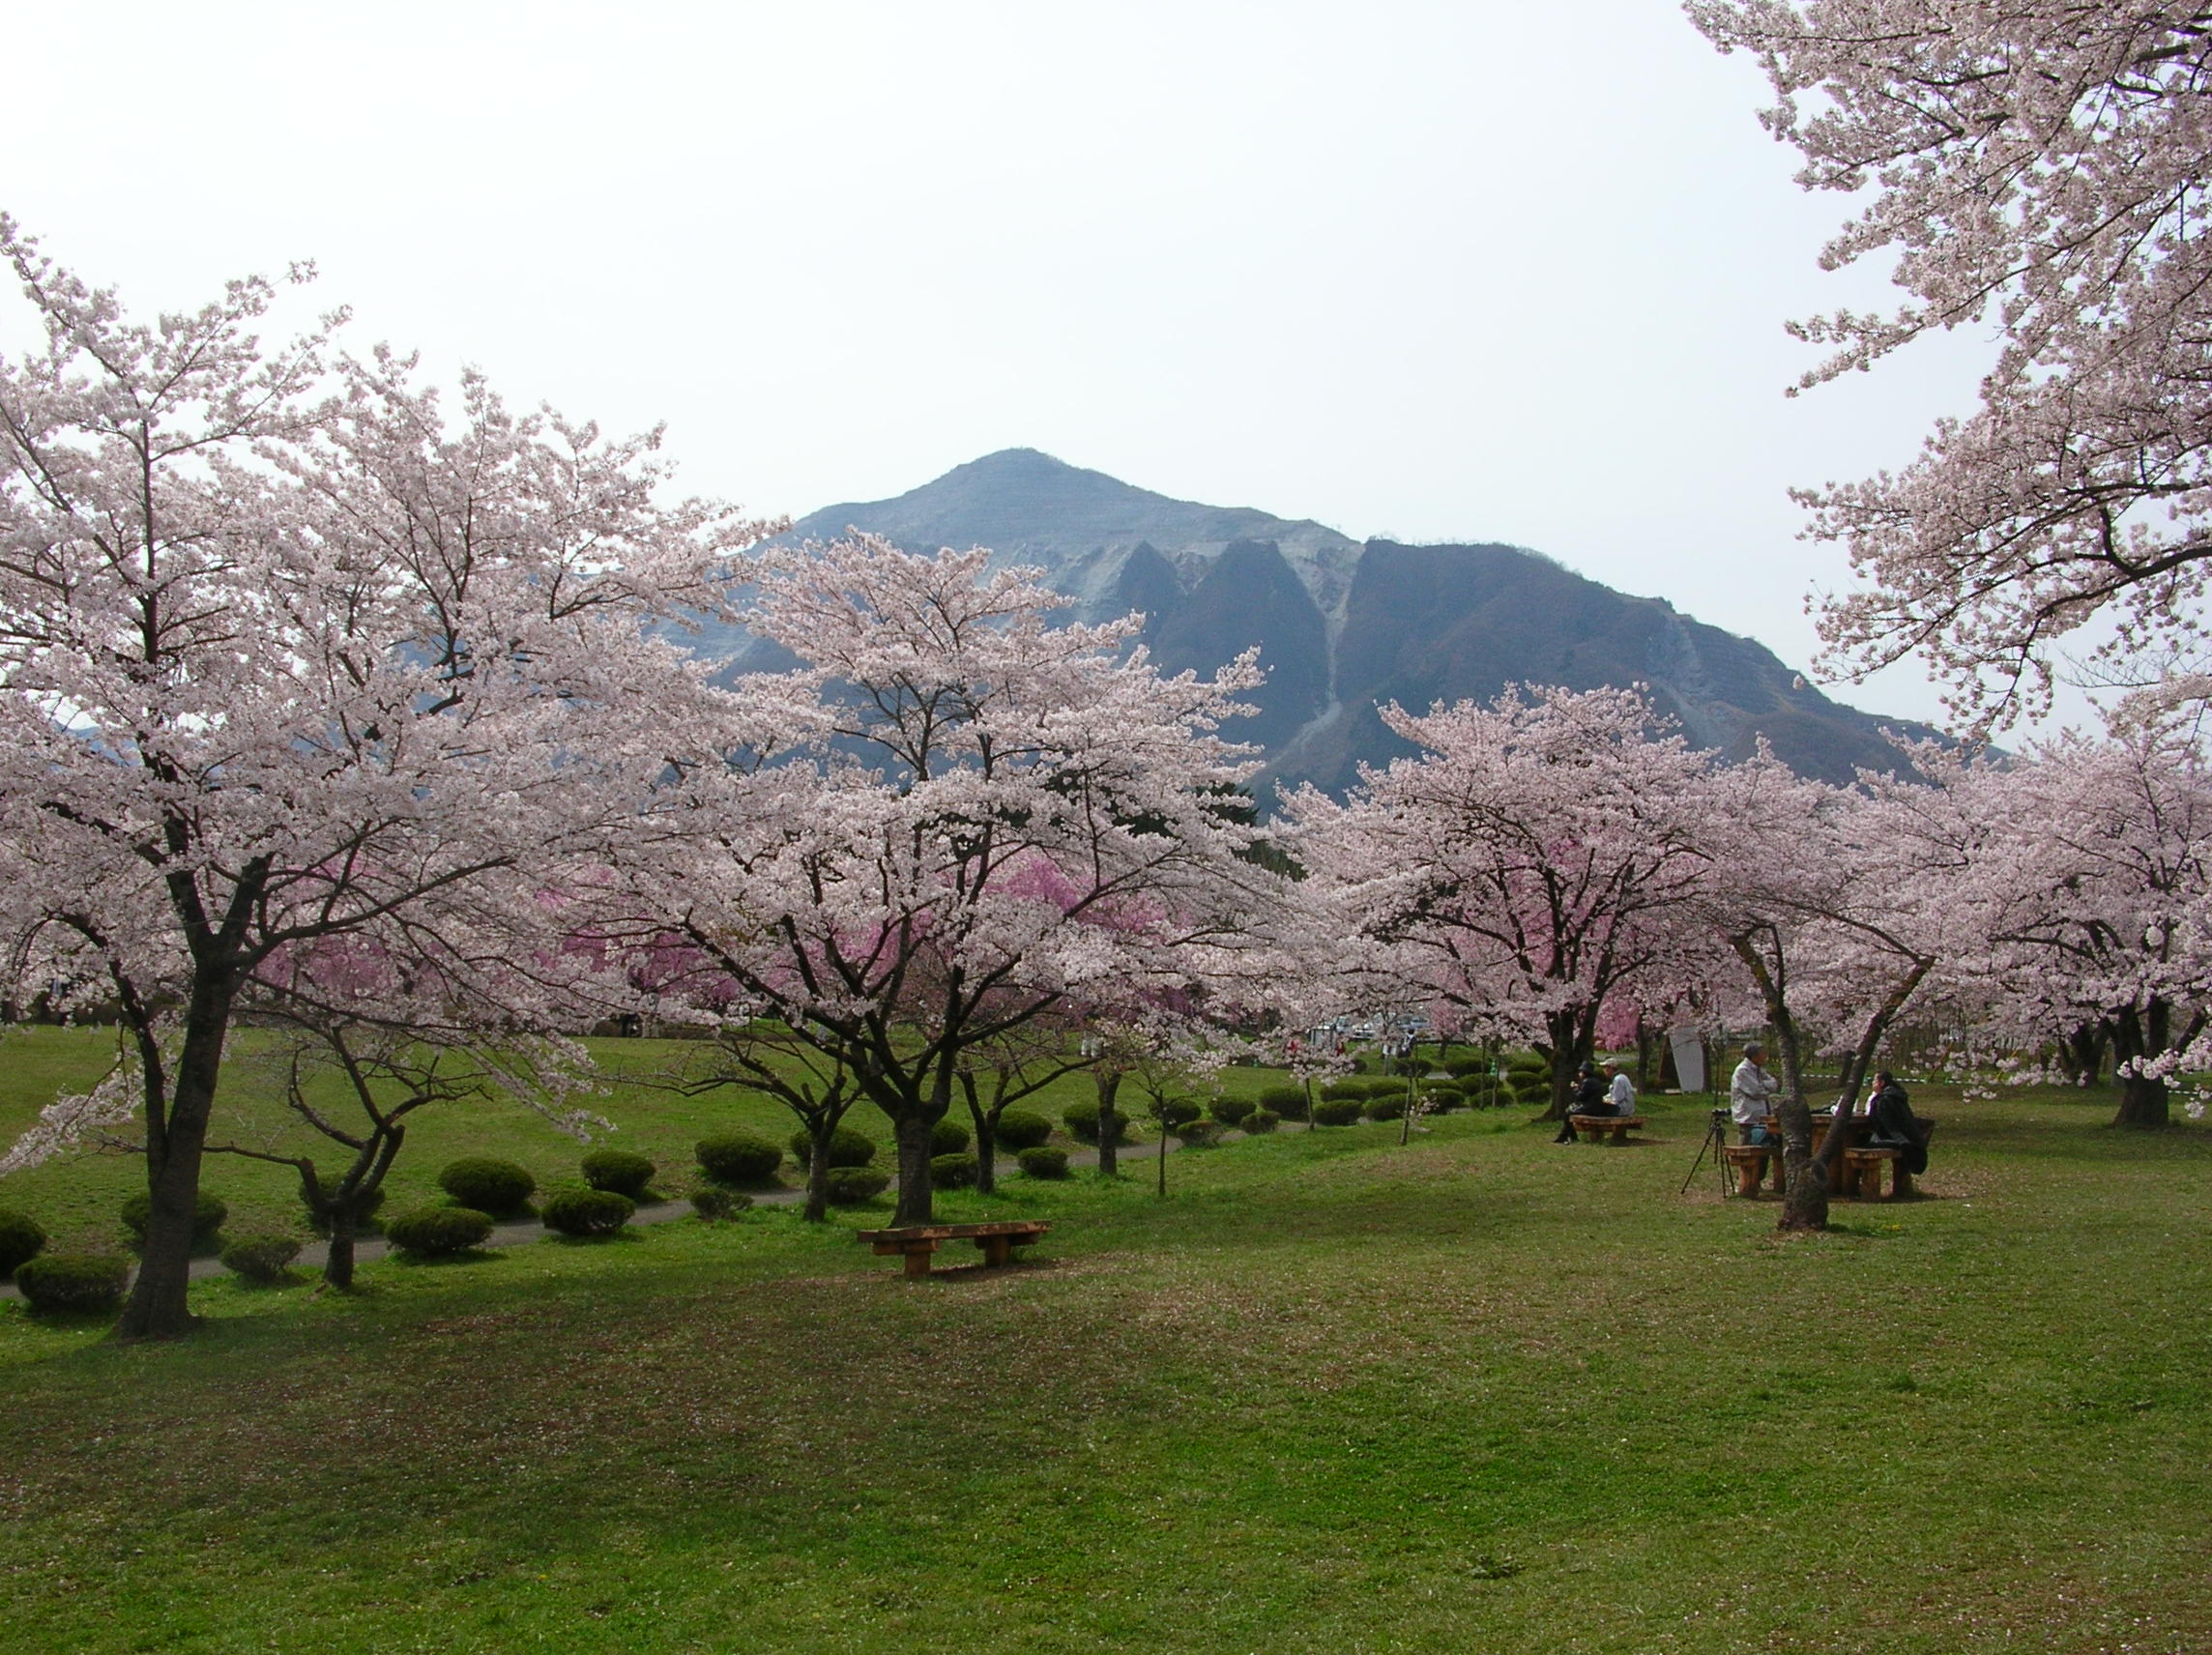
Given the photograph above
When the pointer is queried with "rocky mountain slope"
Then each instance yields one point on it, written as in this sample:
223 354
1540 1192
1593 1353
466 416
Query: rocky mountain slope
1344 627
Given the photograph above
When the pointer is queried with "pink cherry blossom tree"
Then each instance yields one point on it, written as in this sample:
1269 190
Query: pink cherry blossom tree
1525 865
976 821
2041 168
291 650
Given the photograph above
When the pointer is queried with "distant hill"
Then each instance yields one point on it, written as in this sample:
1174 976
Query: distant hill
1345 626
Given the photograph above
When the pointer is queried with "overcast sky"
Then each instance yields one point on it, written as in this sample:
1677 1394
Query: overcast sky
1474 271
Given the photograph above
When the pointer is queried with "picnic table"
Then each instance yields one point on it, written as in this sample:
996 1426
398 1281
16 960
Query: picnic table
917 1243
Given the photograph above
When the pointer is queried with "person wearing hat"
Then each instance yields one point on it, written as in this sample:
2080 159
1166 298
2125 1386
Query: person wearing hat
1619 1090
1751 1097
1588 1098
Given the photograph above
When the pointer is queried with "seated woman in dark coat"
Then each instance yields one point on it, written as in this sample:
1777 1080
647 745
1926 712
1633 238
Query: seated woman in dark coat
1892 1124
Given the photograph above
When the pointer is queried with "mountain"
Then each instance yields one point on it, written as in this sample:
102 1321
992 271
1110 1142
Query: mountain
1345 626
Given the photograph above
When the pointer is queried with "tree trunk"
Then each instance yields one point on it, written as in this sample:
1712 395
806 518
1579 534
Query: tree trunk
2143 1102
176 1141
986 1155
1163 1157
818 1136
1805 1186
2083 1053
913 1134
2137 1037
1109 1088
338 1259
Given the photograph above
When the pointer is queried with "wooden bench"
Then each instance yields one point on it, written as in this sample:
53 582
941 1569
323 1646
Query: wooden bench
1749 1163
917 1243
1589 1126
1861 1173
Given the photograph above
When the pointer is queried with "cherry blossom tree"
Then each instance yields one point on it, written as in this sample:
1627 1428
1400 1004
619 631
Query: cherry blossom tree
2042 167
974 820
1525 865
290 650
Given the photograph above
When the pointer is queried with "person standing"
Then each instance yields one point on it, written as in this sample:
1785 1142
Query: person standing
1751 1097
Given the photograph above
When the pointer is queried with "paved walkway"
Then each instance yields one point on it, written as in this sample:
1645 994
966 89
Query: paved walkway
525 1229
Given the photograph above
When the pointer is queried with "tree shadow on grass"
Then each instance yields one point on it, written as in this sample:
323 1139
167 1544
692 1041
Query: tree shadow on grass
466 1257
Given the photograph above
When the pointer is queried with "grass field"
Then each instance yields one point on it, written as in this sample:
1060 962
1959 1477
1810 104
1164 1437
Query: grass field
1480 1393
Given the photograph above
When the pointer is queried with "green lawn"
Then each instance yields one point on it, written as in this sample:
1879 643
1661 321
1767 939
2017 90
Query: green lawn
1483 1393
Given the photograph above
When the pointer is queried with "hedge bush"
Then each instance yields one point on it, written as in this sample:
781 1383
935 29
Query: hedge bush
1176 1112
738 1159
1336 1091
20 1241
949 1137
482 1183
1040 1162
264 1256
619 1171
1260 1121
365 1207
1023 1129
953 1172
848 1148
587 1213
1384 1105
1229 1111
208 1213
72 1281
1199 1134
1441 1099
1082 1123
1336 1111
1281 1097
713 1203
438 1232
1467 1068
849 1186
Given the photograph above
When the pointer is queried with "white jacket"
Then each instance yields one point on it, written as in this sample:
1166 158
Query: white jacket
1750 1093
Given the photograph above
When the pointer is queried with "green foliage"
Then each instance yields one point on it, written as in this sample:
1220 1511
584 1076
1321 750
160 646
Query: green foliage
1286 1101
1197 1133
949 1137
1385 1105
20 1239
1336 1111
208 1214
1041 1161
1229 1111
587 1213
953 1172
1468 1069
1260 1121
485 1184
847 1147
1336 1091
1082 1123
624 1171
714 1203
738 1159
1175 1111
1441 1099
1023 1129
849 1186
261 1256
365 1205
438 1232
72 1281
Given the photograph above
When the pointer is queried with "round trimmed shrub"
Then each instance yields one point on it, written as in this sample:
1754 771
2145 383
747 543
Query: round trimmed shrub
1479 1091
849 1186
1023 1129
952 1172
1260 1121
738 1159
1442 1096
1229 1111
482 1183
439 1231
1199 1134
713 1203
949 1137
847 1147
1467 1068
1041 1162
1336 1091
1281 1098
1336 1111
619 1171
1082 1123
587 1213
208 1213
1384 1105
72 1281
1175 1112
264 1256
20 1241
365 1205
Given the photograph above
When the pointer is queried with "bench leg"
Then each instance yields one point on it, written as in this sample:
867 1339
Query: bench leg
1621 1135
997 1249
917 1259
1749 1176
1900 1181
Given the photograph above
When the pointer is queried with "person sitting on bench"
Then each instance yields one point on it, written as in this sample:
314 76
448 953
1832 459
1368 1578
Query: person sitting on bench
1588 1098
1894 1126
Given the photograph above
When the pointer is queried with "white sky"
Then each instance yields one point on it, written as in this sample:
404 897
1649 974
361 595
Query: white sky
1463 271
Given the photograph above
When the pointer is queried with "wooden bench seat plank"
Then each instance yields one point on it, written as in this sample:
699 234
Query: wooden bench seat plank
1592 1125
918 1242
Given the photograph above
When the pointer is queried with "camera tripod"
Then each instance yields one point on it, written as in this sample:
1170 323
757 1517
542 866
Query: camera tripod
1716 1140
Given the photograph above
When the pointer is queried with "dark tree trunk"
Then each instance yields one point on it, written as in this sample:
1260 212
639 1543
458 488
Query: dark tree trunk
913 1130
176 1142
2137 1037
337 1257
818 1136
2143 1102
2083 1053
1805 1187
1646 1039
1108 1085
